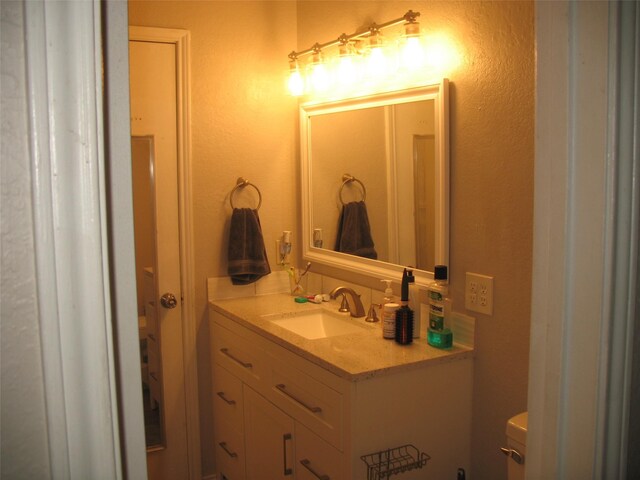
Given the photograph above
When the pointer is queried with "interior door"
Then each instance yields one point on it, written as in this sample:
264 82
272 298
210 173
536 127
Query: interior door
153 116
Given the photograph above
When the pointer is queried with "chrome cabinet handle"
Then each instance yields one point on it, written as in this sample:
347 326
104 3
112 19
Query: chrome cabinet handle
223 445
285 437
282 387
236 359
307 464
168 300
222 396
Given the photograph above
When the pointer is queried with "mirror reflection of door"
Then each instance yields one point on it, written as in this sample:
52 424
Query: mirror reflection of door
149 333
424 147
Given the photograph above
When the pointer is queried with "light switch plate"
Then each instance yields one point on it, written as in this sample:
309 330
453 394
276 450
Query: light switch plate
478 293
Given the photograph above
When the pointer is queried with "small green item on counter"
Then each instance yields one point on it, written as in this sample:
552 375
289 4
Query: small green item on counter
300 300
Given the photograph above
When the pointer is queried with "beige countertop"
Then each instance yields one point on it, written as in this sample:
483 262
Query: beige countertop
353 356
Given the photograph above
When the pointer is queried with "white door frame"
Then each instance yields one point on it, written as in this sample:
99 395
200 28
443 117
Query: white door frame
69 141
180 38
585 241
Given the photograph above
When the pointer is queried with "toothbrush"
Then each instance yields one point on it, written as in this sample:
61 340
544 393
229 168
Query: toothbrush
297 279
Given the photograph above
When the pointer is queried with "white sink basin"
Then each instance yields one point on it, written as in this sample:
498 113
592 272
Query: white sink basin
316 324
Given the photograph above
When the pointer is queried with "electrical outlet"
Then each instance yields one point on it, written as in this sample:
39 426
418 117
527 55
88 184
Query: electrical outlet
478 293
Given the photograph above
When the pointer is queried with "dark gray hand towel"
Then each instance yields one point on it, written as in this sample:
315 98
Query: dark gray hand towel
354 233
247 255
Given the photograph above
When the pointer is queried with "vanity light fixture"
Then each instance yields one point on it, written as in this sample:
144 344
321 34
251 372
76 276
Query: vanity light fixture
366 55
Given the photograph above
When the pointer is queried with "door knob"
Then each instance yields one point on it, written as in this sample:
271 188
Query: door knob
168 300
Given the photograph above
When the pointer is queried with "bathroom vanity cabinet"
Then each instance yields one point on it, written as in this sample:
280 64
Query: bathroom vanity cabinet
280 412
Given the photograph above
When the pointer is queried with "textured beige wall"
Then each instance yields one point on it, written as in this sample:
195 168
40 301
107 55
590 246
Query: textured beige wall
242 124
492 153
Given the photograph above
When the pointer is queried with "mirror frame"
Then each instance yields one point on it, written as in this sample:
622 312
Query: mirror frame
376 268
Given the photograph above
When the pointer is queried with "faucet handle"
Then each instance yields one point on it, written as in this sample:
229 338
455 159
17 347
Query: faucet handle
372 316
344 305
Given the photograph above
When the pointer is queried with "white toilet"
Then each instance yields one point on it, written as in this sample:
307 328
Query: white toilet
516 448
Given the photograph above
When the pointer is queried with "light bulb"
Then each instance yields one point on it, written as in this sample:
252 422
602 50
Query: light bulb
319 77
318 73
346 71
296 83
377 62
412 53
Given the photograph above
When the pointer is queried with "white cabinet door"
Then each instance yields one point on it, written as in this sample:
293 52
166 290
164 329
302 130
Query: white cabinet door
315 458
268 439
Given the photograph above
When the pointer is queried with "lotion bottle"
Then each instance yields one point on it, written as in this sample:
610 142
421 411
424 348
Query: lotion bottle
388 299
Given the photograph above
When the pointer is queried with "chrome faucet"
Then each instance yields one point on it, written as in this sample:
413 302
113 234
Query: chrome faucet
355 307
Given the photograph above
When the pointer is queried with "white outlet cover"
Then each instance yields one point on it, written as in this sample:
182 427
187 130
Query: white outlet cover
478 293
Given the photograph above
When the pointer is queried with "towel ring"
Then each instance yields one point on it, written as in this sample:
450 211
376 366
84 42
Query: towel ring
241 183
346 178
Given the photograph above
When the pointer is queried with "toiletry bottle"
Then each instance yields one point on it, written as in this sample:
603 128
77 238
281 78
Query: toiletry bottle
415 303
388 297
438 333
404 315
437 291
389 320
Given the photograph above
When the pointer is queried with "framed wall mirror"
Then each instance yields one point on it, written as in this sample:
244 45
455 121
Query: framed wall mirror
375 182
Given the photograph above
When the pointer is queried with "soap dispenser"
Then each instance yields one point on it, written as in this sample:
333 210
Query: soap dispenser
388 292
388 312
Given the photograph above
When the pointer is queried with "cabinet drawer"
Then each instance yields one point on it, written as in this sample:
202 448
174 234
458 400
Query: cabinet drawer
230 453
239 356
312 403
227 398
315 458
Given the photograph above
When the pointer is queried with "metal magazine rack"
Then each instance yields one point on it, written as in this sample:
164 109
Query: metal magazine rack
381 465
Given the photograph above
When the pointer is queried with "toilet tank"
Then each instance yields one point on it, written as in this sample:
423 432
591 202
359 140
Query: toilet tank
516 449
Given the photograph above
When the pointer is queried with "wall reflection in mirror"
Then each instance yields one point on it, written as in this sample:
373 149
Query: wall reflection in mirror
378 170
148 329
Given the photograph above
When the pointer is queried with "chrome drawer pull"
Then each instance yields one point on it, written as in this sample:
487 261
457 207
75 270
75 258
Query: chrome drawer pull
285 437
307 464
283 389
229 452
235 359
229 402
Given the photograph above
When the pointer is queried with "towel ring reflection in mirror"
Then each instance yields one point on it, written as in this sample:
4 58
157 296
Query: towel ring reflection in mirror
347 179
241 183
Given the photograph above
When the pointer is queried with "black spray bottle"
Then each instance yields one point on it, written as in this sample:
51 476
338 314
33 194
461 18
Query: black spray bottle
404 315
